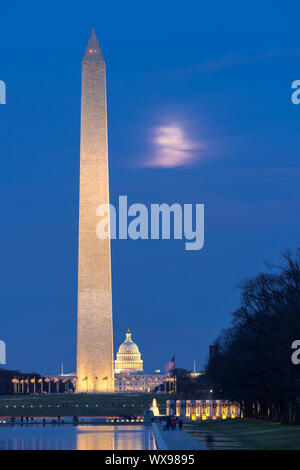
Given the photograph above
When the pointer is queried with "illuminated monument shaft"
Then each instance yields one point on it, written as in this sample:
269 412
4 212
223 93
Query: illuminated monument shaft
94 323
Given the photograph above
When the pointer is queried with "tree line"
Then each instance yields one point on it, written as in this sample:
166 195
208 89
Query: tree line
253 363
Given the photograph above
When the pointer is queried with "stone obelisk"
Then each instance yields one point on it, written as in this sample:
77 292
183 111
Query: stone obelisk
94 322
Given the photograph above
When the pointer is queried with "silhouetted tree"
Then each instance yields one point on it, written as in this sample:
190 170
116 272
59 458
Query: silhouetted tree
252 363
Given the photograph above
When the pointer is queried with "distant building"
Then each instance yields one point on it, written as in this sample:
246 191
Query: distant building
129 373
128 376
128 357
195 373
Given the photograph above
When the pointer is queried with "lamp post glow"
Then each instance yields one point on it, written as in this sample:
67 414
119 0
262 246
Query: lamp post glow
34 385
41 382
48 381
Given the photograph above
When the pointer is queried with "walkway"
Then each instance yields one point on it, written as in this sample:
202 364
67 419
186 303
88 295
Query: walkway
175 440
219 442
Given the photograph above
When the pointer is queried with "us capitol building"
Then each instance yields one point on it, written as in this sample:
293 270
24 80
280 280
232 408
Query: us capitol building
129 372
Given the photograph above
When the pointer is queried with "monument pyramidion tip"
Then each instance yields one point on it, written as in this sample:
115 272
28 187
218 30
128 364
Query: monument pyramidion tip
93 51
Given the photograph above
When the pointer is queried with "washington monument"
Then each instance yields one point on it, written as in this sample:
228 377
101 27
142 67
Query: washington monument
94 322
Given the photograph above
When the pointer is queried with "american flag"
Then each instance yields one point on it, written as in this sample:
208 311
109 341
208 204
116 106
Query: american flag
170 365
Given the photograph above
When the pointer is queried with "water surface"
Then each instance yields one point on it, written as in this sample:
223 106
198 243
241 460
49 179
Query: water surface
81 437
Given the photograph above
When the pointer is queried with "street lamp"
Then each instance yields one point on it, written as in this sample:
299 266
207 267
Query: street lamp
56 380
48 381
33 382
15 382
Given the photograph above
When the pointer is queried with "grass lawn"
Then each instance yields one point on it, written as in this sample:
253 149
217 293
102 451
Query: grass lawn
247 434
79 404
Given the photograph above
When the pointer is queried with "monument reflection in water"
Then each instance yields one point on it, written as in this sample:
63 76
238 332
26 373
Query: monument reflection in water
82 437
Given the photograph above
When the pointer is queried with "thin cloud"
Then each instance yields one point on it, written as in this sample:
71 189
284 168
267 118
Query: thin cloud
173 148
219 63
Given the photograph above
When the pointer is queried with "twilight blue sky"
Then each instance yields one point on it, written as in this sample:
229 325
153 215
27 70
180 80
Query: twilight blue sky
218 73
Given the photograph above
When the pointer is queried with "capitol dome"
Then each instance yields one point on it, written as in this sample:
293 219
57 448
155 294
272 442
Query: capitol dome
128 357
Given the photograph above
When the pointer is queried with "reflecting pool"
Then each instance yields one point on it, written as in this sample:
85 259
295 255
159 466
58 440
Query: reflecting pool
81 437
